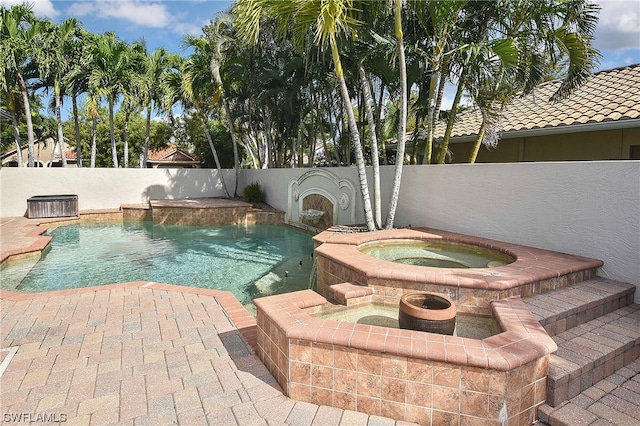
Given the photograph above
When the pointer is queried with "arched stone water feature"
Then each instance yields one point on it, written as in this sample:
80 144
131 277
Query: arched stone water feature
319 199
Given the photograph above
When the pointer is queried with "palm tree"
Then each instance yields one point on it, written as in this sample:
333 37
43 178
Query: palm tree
196 89
111 76
18 30
402 128
76 79
11 99
544 33
216 39
439 20
156 65
93 113
326 21
133 91
53 65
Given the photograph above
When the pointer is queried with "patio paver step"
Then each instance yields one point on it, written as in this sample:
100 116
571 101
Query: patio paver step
564 308
591 351
614 400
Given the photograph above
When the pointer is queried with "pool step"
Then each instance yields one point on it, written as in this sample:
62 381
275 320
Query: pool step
596 327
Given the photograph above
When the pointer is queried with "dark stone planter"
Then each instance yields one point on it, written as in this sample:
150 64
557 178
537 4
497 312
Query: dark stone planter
427 312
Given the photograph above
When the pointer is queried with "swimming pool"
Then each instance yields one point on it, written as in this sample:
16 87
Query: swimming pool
250 261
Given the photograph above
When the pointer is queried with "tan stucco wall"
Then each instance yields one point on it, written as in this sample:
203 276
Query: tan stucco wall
601 145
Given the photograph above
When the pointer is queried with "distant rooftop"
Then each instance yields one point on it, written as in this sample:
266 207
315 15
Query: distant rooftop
610 96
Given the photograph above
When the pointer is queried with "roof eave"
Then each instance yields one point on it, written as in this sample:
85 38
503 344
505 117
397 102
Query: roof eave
558 130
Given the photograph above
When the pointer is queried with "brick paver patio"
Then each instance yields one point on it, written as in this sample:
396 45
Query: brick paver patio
140 353
149 353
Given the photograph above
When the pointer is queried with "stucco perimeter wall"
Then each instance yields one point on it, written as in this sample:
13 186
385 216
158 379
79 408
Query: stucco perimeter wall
99 188
590 209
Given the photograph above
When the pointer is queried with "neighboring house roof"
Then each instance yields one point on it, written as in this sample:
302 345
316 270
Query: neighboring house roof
608 99
172 155
41 150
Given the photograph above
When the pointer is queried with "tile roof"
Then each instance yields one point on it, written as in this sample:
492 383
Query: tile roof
172 153
607 96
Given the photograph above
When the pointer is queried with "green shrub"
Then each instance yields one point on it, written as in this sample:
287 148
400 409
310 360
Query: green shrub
252 193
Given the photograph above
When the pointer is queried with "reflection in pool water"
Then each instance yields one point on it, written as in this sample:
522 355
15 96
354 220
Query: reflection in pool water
250 261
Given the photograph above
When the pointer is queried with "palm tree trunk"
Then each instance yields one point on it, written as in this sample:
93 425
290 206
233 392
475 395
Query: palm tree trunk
147 131
76 124
375 160
346 100
94 136
126 139
16 138
114 152
383 145
63 154
268 139
452 119
334 136
444 72
433 87
478 142
27 116
213 151
215 70
402 125
234 142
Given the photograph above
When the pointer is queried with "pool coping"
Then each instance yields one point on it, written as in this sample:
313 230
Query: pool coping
531 264
521 341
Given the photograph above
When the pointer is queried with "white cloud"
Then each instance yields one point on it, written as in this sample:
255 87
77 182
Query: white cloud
42 8
187 28
619 25
145 14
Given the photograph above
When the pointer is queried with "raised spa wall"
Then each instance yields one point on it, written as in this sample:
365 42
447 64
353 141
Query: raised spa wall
412 375
472 290
404 374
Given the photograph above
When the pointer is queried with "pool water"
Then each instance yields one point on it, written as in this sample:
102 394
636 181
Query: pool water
471 326
438 254
251 261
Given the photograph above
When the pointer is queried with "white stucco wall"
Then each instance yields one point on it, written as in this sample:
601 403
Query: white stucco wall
106 188
589 209
584 208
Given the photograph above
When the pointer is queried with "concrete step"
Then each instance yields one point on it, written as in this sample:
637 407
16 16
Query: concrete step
564 308
591 351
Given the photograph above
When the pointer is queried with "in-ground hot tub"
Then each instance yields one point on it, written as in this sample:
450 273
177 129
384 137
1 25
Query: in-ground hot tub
517 271
436 253
44 206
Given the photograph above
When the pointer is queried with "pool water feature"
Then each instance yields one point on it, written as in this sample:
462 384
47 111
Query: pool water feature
250 261
438 254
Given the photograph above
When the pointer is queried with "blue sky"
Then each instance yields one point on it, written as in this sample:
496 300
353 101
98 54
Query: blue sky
160 23
163 23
